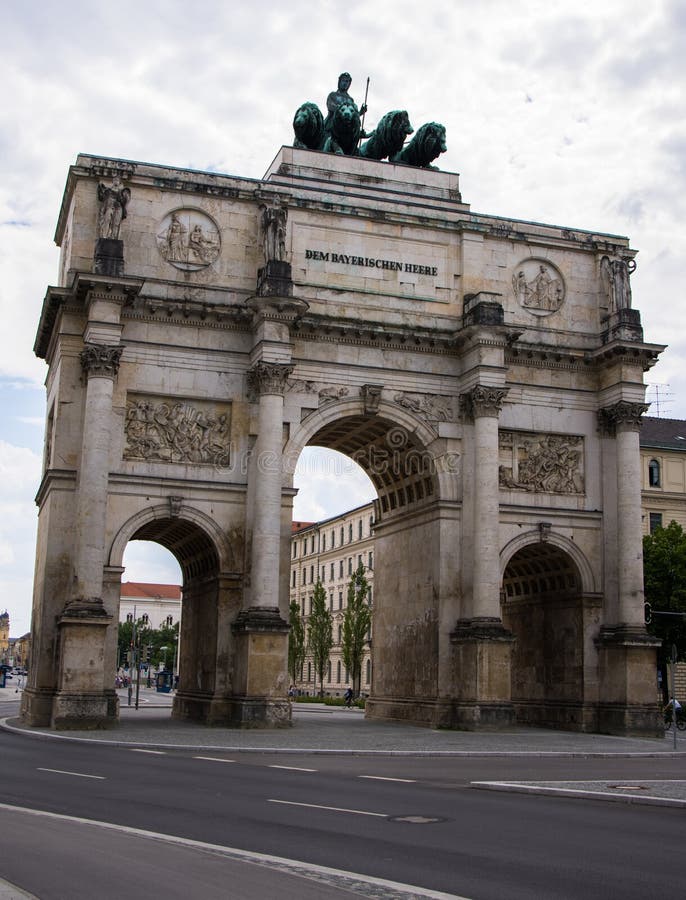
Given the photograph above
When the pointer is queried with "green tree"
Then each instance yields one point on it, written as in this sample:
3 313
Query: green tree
296 642
357 621
664 582
319 634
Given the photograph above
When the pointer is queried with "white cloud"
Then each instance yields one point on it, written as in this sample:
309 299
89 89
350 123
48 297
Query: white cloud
556 112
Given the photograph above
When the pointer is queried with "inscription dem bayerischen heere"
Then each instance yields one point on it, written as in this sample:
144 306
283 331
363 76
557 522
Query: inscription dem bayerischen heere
371 262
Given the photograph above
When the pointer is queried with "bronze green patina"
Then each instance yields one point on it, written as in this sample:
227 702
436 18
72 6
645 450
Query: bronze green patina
342 131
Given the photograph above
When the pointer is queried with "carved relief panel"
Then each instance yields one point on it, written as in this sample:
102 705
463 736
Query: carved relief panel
188 239
538 286
552 463
177 431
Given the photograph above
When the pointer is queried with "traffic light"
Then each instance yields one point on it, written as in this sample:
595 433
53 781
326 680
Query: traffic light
648 613
148 653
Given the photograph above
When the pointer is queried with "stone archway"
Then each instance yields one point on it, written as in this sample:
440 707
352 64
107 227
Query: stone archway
546 609
211 602
414 478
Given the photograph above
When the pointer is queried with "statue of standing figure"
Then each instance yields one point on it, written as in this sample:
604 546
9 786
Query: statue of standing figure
273 231
338 97
113 202
615 273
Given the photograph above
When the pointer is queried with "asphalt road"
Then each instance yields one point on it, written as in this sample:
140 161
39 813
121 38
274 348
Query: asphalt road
428 828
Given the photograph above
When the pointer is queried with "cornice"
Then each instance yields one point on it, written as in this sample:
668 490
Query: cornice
195 313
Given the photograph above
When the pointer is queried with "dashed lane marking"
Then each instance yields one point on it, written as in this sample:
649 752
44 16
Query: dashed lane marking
214 759
292 768
75 774
384 778
357 812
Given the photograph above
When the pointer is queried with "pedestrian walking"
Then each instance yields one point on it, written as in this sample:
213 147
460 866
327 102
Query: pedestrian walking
349 697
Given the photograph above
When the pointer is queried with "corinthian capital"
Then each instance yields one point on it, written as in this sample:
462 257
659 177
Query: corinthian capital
101 359
269 378
626 414
483 401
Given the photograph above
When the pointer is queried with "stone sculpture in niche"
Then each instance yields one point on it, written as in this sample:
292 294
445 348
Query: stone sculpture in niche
615 272
113 202
188 239
548 463
177 432
538 287
273 220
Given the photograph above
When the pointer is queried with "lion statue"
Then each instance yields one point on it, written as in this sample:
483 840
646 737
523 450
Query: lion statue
426 146
345 130
389 135
308 126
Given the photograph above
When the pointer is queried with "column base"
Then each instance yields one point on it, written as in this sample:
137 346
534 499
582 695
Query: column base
36 707
627 662
232 712
423 712
482 660
84 712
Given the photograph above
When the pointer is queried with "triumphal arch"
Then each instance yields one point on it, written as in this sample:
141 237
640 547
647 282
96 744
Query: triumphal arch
487 373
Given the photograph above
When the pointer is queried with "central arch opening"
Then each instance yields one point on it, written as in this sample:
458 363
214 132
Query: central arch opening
387 535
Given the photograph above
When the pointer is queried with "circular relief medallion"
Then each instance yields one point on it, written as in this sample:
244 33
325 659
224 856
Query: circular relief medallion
538 286
188 239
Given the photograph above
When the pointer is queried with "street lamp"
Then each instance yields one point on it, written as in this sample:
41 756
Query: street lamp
165 648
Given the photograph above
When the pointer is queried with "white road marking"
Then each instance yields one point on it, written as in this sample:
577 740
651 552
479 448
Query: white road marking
292 768
75 774
155 752
383 778
357 812
214 758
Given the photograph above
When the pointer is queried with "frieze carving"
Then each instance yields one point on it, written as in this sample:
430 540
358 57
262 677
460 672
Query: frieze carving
268 378
188 239
177 431
482 401
538 287
622 413
325 393
550 463
431 407
101 359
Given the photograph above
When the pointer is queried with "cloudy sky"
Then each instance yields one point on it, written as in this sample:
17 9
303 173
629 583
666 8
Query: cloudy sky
569 113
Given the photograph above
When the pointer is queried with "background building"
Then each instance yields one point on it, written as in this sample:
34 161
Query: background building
663 463
331 551
156 605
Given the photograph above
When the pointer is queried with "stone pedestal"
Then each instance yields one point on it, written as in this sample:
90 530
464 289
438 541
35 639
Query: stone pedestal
109 257
275 280
627 671
259 698
82 701
482 660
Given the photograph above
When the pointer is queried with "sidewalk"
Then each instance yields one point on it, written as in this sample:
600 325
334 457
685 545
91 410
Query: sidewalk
320 729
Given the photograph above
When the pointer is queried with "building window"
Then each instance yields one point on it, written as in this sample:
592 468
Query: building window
653 473
359 530
350 533
323 543
371 559
311 598
368 673
170 621
144 619
309 671
340 599
311 574
333 538
359 559
340 633
323 574
331 600
305 547
338 672
371 524
332 572
295 549
350 565
129 617
303 605
342 535
312 544
293 579
655 521
328 672
369 596
340 568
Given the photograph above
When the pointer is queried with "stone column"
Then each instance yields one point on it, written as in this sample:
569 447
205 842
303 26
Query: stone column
261 633
627 654
100 364
482 646
83 699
